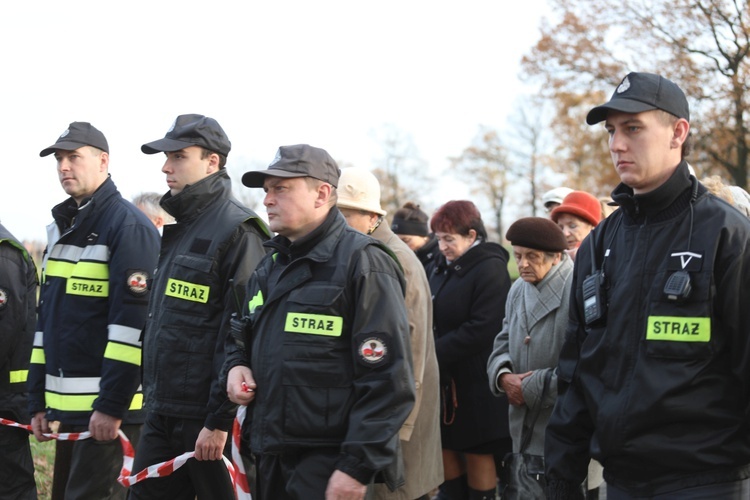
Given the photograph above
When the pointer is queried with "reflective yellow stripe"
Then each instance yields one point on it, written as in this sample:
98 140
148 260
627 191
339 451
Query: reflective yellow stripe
88 288
83 402
314 324
37 356
137 402
89 270
70 402
678 329
124 353
187 291
19 376
255 302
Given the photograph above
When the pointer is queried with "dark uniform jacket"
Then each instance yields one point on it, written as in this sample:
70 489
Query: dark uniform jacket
18 282
215 243
468 303
329 349
658 390
92 309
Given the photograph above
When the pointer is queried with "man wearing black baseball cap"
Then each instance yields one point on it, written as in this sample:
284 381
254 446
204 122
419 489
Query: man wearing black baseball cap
85 366
327 406
654 377
206 258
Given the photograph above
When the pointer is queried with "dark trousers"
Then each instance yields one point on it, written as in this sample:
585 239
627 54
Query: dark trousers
164 438
737 490
16 464
96 465
296 476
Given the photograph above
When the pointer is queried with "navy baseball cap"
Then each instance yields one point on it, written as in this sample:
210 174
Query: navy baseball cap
300 160
639 92
78 134
191 130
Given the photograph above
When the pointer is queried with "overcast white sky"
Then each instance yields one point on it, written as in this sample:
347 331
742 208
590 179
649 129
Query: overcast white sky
327 73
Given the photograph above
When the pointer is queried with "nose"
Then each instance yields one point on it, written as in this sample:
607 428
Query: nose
616 142
566 231
165 169
63 165
267 199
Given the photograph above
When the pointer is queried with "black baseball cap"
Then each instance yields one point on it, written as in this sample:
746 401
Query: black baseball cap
640 92
78 134
300 160
191 130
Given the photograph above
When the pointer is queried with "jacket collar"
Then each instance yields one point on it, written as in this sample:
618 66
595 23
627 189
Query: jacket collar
69 213
546 296
471 258
318 245
656 204
196 198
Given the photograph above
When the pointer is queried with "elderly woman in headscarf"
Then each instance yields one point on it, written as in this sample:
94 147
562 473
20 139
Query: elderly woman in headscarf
528 346
577 216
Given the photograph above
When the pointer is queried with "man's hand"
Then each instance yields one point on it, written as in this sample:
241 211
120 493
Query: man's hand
103 427
511 384
40 425
241 385
342 486
210 444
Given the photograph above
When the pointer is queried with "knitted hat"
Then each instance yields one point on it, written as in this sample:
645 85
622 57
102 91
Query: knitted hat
359 189
538 233
581 204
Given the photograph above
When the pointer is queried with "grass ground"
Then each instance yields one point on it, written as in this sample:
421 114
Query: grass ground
44 461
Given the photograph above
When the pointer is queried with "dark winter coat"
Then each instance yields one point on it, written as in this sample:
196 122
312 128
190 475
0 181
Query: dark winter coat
469 306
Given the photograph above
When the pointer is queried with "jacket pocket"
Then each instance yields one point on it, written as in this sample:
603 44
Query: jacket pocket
680 329
184 365
318 397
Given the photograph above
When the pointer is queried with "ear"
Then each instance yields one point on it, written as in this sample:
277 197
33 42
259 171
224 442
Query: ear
324 195
103 162
213 164
473 235
679 133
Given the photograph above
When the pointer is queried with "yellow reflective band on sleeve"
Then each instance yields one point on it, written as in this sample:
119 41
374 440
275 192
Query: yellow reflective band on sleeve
313 324
187 291
137 402
123 352
19 376
678 329
37 356
86 270
70 402
255 302
88 288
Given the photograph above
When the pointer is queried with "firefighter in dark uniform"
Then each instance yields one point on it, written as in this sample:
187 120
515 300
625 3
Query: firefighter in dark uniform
18 282
85 365
206 258
327 364
654 374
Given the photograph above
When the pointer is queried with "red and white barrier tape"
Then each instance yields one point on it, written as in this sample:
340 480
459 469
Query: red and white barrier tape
236 471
